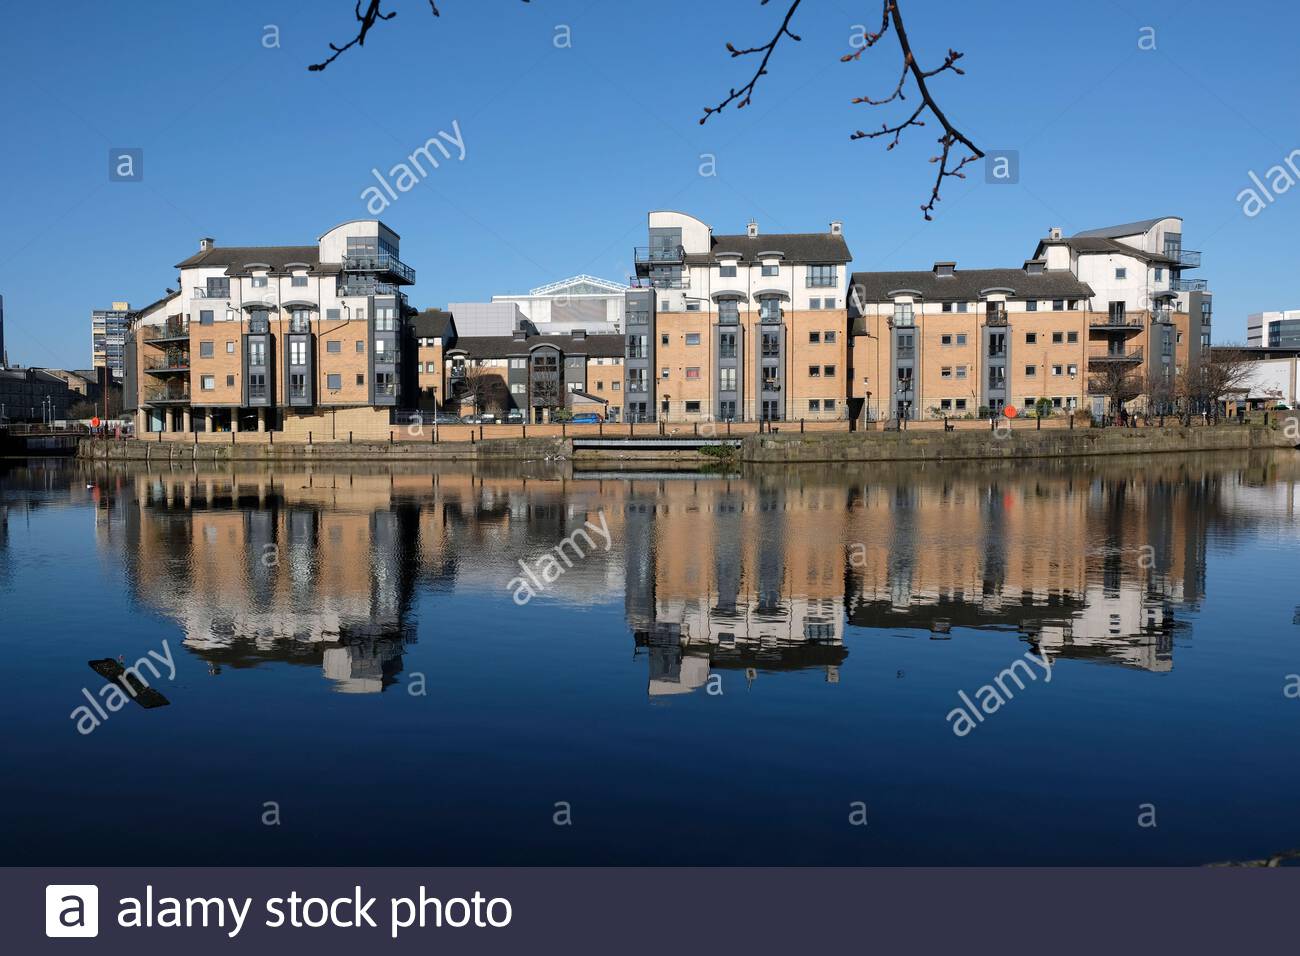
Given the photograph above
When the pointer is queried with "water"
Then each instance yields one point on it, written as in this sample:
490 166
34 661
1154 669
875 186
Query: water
756 664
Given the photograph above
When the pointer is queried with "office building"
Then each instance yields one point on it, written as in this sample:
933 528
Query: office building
108 330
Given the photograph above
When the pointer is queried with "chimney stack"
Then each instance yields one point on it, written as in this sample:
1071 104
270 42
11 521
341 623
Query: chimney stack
206 244
837 228
753 229
1054 232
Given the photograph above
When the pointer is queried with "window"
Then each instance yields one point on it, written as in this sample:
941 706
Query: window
333 314
207 383
961 338
771 270
727 411
523 363
814 405
298 282
692 373
945 404
218 288
230 381
692 338
828 371
257 353
1058 369
205 350
1058 305
828 303
1121 273
693 408
814 371
962 307
1117 312
334 381
616 385
692 305
821 277
600 386
1031 338
205 317
1058 338
385 318
517 388
1031 305
230 347
728 311
769 309
727 271
828 405
663 372
727 345
771 378
1072 337
361 379
726 379
334 348
828 337
1031 371
361 345
814 338
259 282
945 340
902 313
814 303
379 350
961 371
1160 274
1073 369
663 340
947 307
945 371
297 352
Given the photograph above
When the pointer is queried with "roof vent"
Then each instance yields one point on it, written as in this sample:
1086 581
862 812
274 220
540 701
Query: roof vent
579 334
206 244
945 270
1054 232
1034 267
753 229
837 228
521 334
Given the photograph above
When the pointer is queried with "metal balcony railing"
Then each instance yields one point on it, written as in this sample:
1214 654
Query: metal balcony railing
367 287
171 330
1186 258
652 254
1188 285
821 282
382 263
1127 320
996 319
201 292
169 393
1116 355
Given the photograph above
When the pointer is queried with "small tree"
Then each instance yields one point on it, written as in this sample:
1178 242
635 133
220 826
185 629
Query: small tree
1117 382
1207 381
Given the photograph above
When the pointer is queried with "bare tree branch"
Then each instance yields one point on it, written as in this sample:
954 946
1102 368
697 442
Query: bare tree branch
367 20
952 137
746 92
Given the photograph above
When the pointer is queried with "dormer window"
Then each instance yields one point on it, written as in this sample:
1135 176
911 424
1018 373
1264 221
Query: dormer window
945 270
1034 267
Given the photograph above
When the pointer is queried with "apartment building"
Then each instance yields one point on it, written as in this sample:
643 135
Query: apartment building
293 338
578 302
736 327
955 342
108 331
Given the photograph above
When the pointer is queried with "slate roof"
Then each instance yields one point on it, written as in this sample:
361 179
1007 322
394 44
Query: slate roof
798 247
500 346
432 324
967 284
1123 229
235 259
1102 245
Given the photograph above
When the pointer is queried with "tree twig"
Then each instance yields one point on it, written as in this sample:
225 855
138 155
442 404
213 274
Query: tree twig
746 92
367 20
951 136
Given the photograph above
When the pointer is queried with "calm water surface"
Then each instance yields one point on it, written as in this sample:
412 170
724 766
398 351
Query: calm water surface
752 661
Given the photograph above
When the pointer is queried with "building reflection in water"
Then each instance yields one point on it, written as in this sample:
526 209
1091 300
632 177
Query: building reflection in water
755 575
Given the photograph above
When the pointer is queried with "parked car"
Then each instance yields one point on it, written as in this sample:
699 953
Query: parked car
515 416
487 418
589 418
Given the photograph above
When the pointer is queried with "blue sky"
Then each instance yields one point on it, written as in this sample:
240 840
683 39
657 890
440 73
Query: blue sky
568 148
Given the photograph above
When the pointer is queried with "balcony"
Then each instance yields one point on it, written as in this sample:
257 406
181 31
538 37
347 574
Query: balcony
821 282
995 319
1185 258
172 362
382 264
175 329
202 292
171 393
1188 285
1133 355
367 286
651 255
1127 322
907 351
